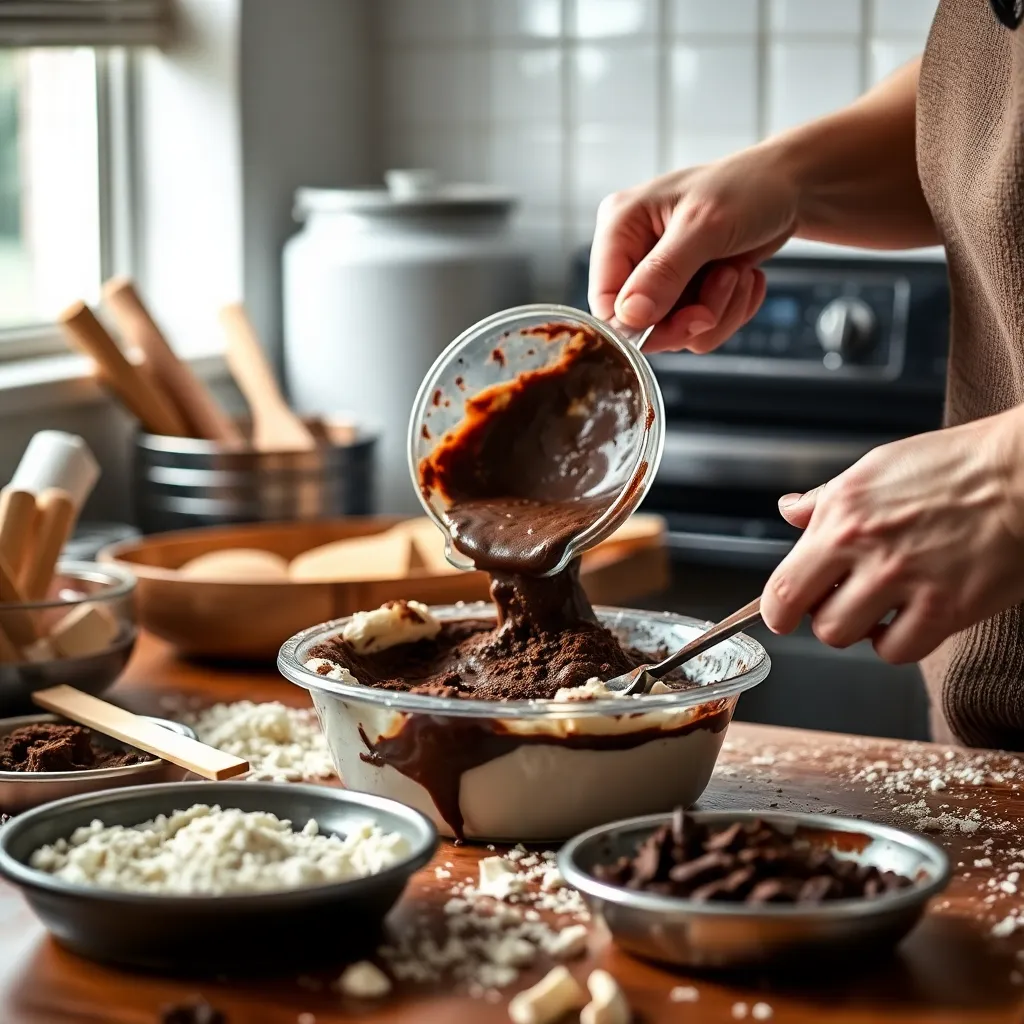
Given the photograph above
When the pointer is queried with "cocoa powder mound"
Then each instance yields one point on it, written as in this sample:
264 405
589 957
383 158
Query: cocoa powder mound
474 659
53 747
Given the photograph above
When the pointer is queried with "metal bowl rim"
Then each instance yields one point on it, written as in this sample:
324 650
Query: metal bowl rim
120 578
366 436
653 903
89 774
294 671
424 842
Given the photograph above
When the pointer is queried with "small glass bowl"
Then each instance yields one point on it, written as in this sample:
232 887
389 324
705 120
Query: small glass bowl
468 366
563 766
27 665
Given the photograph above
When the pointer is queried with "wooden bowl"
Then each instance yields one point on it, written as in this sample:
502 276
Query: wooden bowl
250 620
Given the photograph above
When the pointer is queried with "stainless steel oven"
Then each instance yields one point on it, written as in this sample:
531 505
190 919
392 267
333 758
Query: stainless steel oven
845 354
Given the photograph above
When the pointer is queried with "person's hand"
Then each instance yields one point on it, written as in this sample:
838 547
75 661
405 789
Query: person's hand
650 241
931 528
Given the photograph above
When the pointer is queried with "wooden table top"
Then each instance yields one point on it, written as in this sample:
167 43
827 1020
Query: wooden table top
951 969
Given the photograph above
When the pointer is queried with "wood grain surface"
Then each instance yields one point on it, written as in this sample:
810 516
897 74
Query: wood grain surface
951 970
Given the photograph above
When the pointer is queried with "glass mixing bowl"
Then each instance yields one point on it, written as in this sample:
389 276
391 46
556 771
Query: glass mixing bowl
534 771
469 365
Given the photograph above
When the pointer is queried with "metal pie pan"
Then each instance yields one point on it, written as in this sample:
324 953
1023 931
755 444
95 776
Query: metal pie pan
208 935
734 935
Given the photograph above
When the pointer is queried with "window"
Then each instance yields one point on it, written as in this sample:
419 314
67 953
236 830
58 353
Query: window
50 231
65 193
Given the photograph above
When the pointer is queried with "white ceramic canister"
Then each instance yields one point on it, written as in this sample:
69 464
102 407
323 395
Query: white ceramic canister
376 284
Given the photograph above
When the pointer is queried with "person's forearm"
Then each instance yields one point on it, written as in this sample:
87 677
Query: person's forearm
857 170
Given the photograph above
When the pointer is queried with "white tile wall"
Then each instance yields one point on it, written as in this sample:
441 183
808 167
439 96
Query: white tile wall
563 101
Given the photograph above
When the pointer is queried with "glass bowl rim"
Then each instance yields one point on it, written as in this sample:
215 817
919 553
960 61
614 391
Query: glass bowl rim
649 451
289 665
118 581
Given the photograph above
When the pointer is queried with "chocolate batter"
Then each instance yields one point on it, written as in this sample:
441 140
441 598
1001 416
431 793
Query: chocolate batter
52 747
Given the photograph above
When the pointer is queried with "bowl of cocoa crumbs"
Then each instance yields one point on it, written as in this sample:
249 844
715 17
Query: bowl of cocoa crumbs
44 757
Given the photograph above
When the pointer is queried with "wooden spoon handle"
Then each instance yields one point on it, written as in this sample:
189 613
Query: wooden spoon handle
197 406
134 389
274 426
209 762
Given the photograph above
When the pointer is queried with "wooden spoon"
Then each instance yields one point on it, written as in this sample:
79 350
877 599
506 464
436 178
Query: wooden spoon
204 760
202 414
275 428
136 391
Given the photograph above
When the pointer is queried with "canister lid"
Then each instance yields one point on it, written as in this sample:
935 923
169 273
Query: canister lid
415 190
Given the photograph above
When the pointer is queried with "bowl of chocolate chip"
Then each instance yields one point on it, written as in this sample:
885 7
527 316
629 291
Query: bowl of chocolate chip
44 758
745 889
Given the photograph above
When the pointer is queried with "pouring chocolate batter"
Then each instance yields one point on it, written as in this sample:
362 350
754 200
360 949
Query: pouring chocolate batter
534 462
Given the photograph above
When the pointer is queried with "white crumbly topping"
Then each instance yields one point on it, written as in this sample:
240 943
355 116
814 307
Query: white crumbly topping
486 940
330 670
364 980
596 689
739 1011
213 851
281 744
762 1011
393 623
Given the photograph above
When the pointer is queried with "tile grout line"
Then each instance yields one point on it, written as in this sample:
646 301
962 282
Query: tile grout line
866 32
569 138
664 97
762 73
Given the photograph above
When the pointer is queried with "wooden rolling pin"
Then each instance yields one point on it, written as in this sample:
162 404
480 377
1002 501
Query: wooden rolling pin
56 521
138 393
204 760
275 428
19 518
202 415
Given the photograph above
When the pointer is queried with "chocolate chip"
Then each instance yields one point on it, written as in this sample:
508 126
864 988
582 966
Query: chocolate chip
752 862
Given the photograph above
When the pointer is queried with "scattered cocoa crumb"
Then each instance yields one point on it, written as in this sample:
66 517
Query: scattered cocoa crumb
195 1011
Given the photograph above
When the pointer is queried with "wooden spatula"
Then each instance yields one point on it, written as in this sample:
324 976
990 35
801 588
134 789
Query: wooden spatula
275 428
204 760
135 390
202 415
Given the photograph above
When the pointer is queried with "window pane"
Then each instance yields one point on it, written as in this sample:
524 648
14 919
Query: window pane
49 183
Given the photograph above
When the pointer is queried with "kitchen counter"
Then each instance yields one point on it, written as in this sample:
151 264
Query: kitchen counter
951 970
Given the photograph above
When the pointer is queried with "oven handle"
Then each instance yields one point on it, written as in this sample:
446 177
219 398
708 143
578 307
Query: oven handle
743 459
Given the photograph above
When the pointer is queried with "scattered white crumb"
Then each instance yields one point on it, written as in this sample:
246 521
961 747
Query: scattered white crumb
364 980
684 994
739 1011
305 1018
761 1011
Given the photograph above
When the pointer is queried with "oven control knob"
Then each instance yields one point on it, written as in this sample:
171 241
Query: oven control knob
845 327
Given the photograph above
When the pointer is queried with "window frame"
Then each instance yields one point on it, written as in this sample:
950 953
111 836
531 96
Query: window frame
117 230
